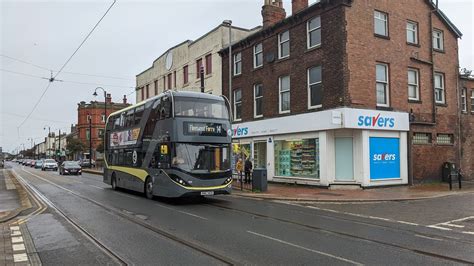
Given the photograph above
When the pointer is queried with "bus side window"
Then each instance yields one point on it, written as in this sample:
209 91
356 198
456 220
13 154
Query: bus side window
139 114
129 118
166 108
117 122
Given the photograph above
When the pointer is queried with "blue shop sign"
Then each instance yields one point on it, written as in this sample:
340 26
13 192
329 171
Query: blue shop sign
384 158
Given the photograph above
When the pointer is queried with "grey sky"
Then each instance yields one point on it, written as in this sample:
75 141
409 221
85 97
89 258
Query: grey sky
127 41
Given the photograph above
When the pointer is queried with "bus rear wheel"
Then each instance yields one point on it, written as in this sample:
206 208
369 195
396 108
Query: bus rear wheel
149 188
114 182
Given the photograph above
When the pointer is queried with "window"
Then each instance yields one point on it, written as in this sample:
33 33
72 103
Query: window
413 85
412 32
439 88
101 133
237 64
238 104
464 100
156 87
164 83
258 100
444 139
102 117
185 75
208 64
298 158
147 91
314 32
138 115
170 81
88 118
472 101
284 44
438 40
315 87
421 138
198 68
382 85
174 78
284 85
381 23
142 93
258 55
88 134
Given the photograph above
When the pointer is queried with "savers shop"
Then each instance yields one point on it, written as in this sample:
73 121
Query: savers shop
333 147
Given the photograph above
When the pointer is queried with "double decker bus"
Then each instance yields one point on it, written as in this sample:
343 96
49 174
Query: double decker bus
172 145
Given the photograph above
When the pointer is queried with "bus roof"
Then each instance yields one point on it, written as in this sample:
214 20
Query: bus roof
190 94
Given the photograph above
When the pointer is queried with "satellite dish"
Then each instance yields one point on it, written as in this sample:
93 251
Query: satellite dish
169 60
270 57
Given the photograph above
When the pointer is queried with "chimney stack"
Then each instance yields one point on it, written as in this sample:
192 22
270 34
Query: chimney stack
125 99
109 98
272 12
298 5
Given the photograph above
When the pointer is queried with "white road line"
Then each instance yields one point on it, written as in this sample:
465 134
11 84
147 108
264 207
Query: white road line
14 228
17 239
18 247
427 237
183 212
307 249
409 223
97 187
467 232
16 233
439 227
453 225
20 257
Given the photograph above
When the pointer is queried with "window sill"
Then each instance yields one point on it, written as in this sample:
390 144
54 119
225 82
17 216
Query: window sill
445 144
439 51
257 68
414 101
386 37
237 75
237 120
414 44
315 107
258 117
280 59
442 104
284 112
316 47
426 144
384 108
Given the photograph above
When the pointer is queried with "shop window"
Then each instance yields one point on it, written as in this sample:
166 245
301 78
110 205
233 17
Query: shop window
239 151
444 139
299 158
260 154
421 138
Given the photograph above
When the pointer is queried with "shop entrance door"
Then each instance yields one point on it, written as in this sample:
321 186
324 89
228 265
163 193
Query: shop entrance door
260 154
344 160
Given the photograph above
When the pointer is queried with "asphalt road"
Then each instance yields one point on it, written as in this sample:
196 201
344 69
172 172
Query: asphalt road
235 230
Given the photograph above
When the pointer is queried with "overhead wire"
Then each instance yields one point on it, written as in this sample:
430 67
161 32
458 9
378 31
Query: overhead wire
65 64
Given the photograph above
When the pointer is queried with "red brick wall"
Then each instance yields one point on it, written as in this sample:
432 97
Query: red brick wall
364 50
467 131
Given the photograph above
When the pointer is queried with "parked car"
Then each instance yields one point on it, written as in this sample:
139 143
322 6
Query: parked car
27 163
32 163
39 164
2 163
86 164
70 168
49 164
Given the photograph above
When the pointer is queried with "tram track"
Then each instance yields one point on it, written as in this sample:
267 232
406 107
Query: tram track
190 244
316 228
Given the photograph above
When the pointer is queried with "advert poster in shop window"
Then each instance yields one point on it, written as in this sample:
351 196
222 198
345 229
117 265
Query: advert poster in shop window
384 158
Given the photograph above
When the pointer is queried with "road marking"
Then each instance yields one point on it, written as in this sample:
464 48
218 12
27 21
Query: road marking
18 247
16 233
357 215
307 249
439 227
20 257
453 225
97 187
460 220
17 239
183 212
467 232
427 237
14 228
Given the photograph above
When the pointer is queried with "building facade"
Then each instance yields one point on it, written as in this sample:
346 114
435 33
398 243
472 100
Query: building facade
179 67
91 121
348 92
466 87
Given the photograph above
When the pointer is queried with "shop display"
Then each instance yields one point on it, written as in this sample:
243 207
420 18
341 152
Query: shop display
297 158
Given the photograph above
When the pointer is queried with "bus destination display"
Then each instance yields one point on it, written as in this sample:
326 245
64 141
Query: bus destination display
204 129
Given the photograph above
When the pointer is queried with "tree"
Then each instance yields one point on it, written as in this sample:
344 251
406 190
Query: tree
75 146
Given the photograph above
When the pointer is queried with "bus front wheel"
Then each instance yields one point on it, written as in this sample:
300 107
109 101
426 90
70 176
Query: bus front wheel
149 188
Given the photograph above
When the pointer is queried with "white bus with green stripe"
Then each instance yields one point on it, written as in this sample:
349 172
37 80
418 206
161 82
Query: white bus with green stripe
176 144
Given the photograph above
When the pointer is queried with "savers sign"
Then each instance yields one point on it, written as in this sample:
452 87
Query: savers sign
384 158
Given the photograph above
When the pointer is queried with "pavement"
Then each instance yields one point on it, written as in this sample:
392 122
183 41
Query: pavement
291 192
16 246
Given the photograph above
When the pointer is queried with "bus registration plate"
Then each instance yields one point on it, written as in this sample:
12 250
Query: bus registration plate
207 193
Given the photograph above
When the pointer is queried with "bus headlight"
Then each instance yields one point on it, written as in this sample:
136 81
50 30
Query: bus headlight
180 181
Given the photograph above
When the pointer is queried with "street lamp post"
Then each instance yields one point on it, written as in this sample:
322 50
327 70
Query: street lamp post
49 135
105 114
90 139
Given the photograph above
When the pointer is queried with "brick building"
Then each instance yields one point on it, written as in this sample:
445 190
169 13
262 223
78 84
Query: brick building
466 86
95 112
348 92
